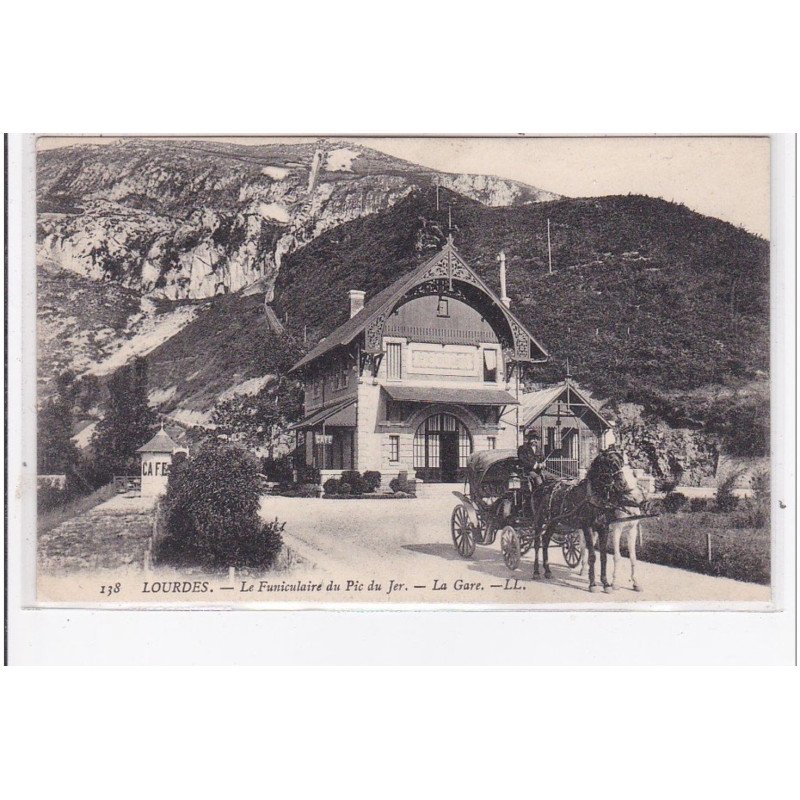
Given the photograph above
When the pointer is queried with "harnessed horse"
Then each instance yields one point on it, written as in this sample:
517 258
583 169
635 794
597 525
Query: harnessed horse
592 504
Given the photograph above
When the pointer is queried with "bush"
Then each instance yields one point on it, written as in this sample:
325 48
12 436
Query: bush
345 488
357 483
278 469
331 486
211 513
726 500
760 484
372 479
307 474
666 485
49 497
674 502
402 485
698 504
309 490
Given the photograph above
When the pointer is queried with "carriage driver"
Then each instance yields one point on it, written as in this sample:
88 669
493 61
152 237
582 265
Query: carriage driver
532 459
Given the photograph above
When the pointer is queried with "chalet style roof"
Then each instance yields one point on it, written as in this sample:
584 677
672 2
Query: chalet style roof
160 443
388 297
534 404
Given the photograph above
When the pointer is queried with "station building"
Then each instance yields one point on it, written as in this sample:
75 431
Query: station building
423 373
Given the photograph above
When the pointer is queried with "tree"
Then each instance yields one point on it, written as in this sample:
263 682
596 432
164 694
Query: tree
128 423
57 453
211 512
260 419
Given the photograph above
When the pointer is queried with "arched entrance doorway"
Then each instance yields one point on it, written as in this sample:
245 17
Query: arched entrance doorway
442 445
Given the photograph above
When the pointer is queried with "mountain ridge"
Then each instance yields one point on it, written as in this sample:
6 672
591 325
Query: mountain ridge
191 219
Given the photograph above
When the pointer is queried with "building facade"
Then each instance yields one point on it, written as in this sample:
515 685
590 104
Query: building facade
423 374
572 431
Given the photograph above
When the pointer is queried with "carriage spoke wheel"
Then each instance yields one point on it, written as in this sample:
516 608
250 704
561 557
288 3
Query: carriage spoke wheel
463 535
572 548
510 547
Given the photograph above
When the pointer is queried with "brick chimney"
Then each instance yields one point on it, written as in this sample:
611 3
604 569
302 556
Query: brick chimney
356 301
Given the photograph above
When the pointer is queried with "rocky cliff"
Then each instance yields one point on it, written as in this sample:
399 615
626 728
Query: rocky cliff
179 219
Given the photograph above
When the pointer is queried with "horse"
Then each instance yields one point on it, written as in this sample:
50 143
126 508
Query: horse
608 488
621 524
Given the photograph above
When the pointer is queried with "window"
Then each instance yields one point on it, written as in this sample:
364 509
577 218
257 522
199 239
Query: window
491 442
490 366
394 411
344 375
443 309
394 361
394 448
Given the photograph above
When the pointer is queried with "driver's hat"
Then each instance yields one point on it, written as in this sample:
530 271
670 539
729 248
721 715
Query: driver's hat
531 433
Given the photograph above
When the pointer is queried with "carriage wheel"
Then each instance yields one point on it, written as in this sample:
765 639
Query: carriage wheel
572 548
510 547
463 535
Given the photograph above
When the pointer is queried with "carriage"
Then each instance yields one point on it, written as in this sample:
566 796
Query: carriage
498 503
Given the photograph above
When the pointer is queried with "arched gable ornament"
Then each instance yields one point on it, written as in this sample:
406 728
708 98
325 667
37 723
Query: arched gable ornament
448 267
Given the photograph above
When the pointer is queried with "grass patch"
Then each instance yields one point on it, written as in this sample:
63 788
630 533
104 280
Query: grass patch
681 540
47 520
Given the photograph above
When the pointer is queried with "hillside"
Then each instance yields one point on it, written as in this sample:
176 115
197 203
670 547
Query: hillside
180 219
644 295
652 303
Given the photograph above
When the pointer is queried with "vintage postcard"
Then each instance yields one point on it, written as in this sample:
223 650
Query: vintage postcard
324 371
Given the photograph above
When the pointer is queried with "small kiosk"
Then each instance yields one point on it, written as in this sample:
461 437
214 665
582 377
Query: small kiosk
156 462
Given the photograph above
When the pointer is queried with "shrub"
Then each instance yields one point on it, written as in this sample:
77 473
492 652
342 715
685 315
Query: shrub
698 504
278 469
760 484
345 488
726 500
372 479
211 513
357 483
402 485
666 485
309 490
307 474
331 486
49 497
674 502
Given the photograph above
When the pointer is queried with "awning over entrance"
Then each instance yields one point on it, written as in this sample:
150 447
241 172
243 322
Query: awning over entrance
341 415
440 394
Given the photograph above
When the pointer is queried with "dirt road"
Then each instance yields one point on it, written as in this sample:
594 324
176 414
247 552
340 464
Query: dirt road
407 543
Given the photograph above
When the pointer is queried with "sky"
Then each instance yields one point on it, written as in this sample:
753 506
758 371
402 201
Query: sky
724 177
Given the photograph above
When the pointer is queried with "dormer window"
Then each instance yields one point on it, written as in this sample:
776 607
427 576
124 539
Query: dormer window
443 308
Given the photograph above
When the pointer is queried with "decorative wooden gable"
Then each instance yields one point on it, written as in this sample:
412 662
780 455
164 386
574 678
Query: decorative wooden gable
448 275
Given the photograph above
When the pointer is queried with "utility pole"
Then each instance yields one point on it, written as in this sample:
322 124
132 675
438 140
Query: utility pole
549 252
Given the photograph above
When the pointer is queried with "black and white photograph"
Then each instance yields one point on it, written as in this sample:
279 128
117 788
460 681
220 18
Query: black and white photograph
351 371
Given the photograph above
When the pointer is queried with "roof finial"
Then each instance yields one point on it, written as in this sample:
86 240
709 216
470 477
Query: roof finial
450 220
569 372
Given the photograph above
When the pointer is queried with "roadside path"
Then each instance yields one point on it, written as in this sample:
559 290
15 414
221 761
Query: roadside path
408 542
